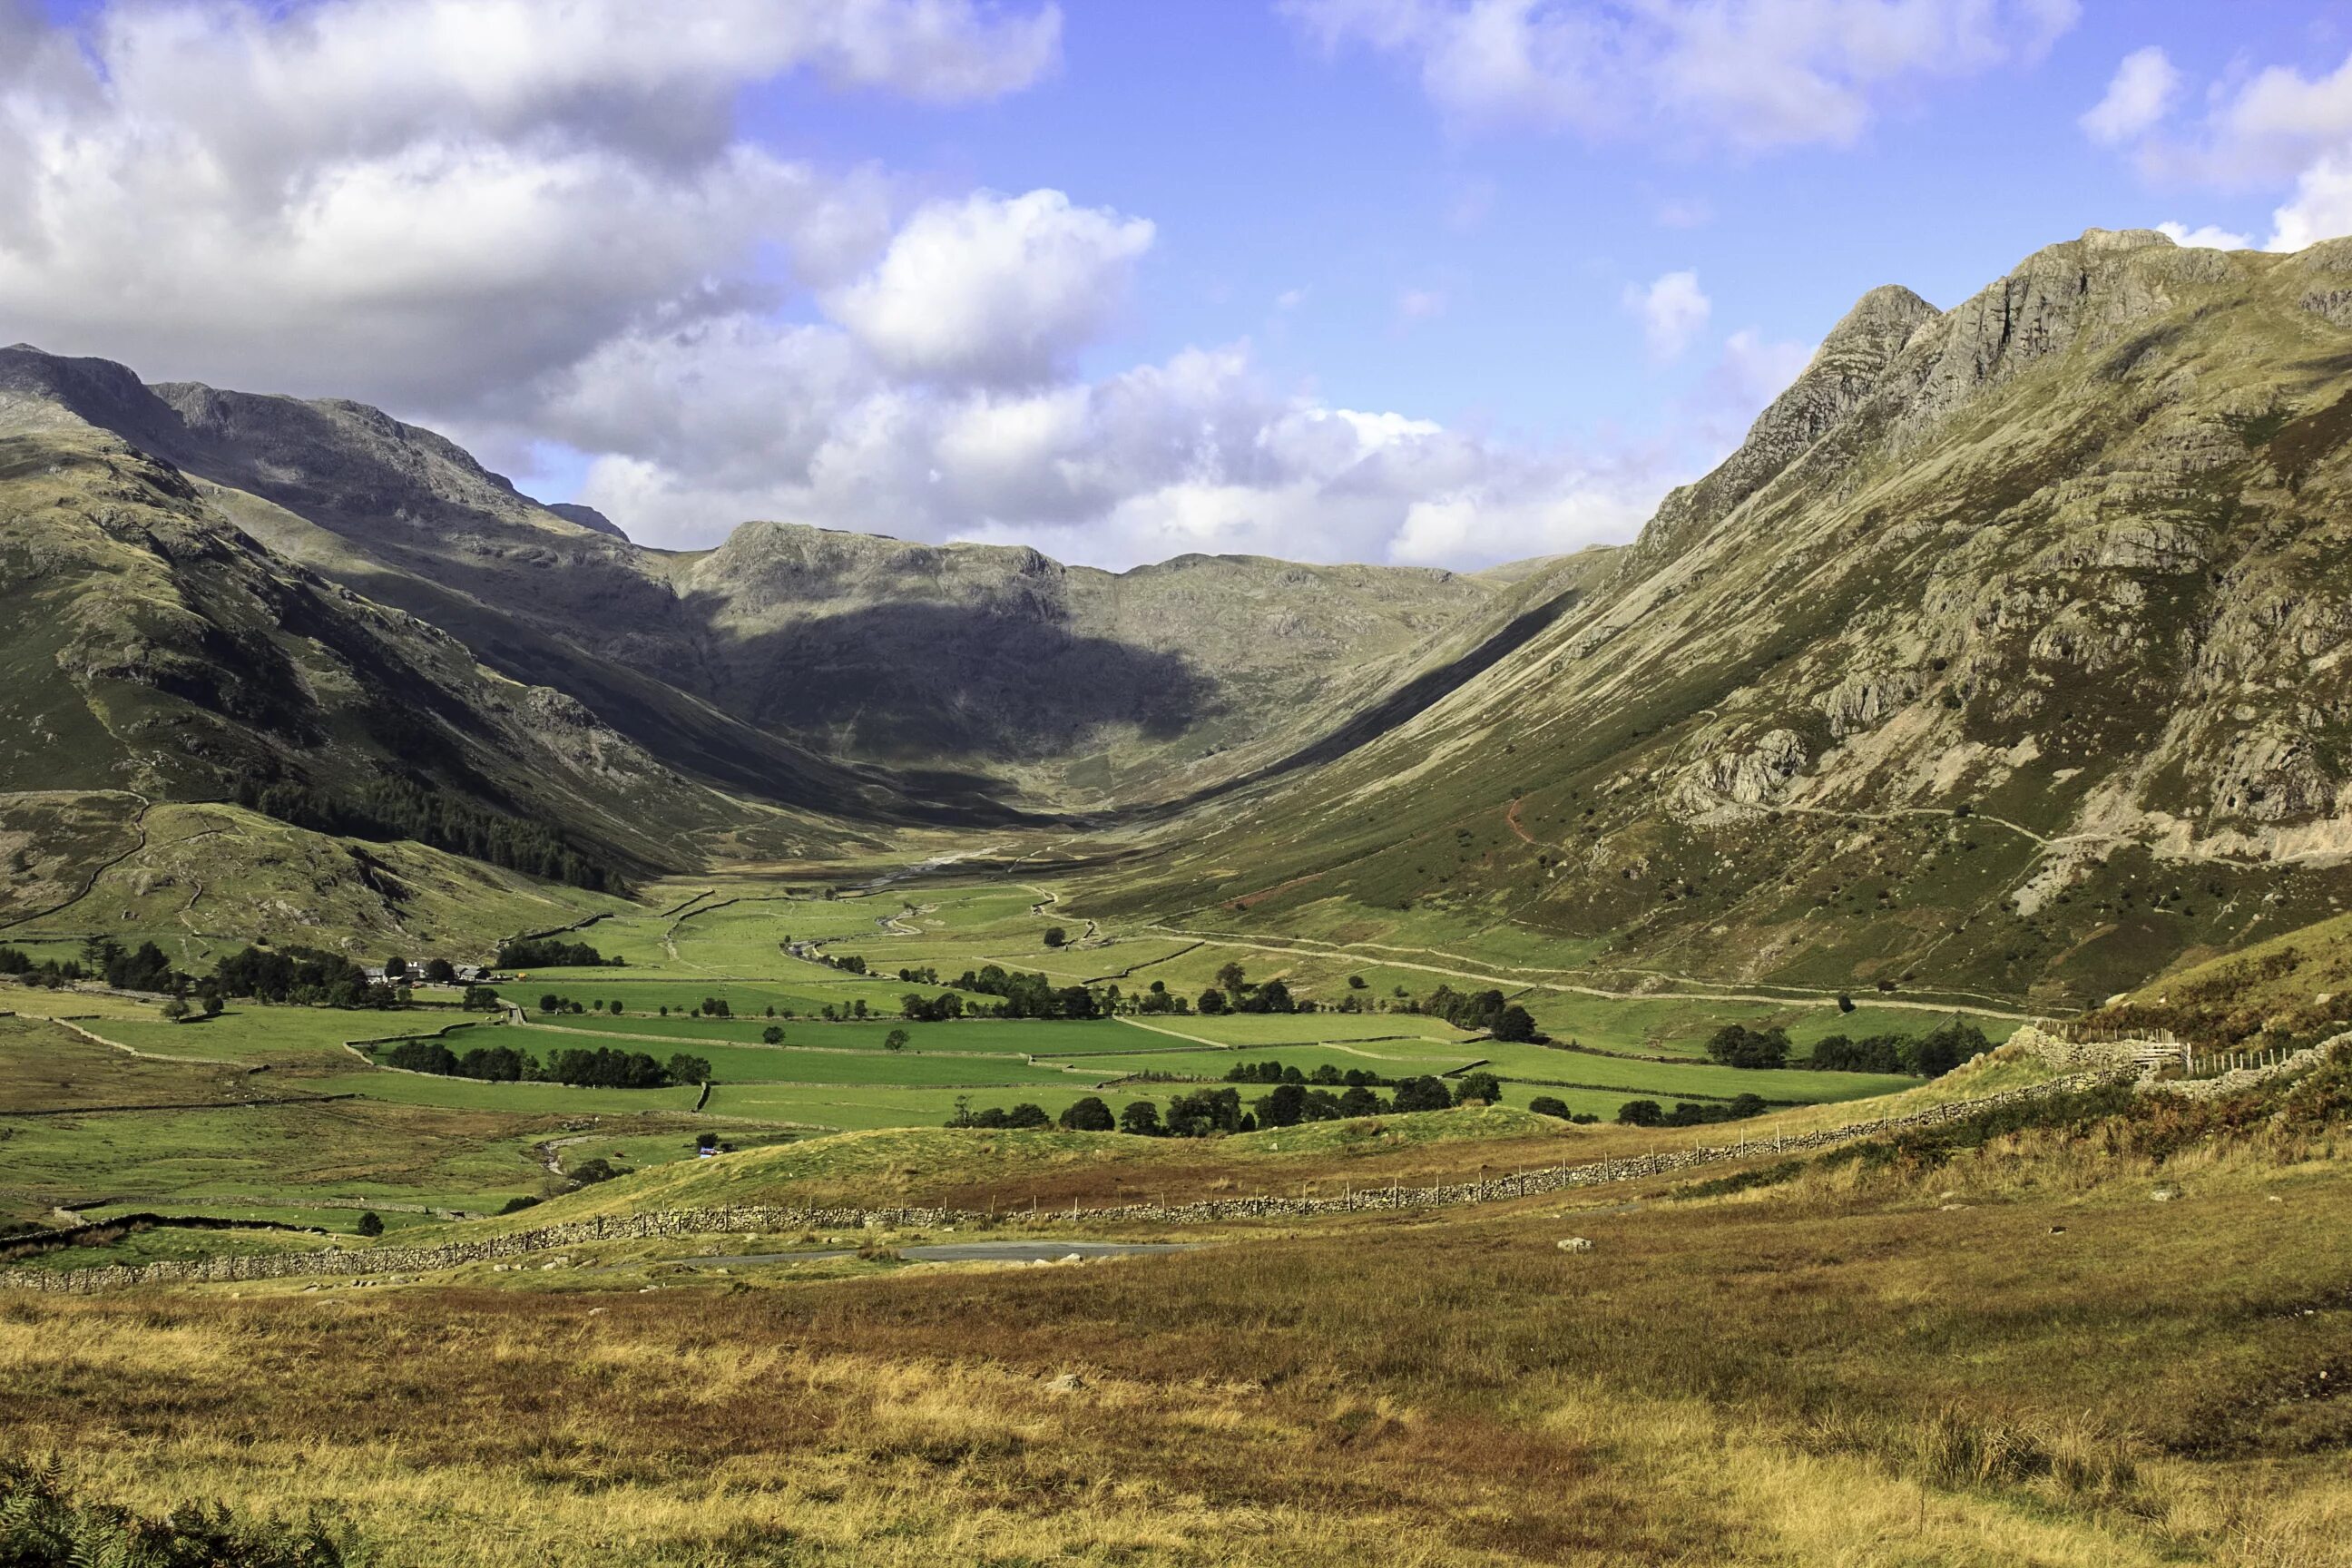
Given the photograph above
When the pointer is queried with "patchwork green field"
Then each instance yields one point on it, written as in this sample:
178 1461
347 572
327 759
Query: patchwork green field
1009 1036
370 1135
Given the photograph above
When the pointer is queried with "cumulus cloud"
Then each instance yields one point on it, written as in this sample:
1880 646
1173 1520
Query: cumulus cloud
538 223
429 202
2207 237
1672 309
992 289
2274 126
1751 75
1193 453
2322 207
2142 91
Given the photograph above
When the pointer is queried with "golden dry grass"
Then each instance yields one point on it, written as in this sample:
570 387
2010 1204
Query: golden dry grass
1841 1371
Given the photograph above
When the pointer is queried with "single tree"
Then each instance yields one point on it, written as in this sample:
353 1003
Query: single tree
371 1223
174 1010
1087 1115
551 1003
1515 1024
1549 1105
1139 1116
1477 1088
771 1035
1055 936
1640 1113
896 1040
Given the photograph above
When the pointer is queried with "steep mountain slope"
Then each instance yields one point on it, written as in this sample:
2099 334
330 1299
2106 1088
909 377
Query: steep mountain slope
409 519
154 649
975 673
2004 655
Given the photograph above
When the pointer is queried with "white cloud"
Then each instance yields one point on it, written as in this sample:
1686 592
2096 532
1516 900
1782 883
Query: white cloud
1195 453
2322 207
2263 130
2142 91
2207 236
992 289
1420 304
1749 74
431 203
1671 311
539 222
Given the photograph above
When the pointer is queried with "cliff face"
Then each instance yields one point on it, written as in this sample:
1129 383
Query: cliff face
2006 650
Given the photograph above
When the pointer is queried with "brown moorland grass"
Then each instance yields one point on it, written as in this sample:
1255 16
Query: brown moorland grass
1854 1375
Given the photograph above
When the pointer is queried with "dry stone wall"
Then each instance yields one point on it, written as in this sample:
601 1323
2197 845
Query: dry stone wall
748 1219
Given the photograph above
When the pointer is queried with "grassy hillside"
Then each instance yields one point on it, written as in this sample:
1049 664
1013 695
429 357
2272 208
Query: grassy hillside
1984 669
1978 1349
203 881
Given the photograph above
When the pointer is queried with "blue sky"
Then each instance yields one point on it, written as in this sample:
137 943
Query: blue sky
1437 281
1268 166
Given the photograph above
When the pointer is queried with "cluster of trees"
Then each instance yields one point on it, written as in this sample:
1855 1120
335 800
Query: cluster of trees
102 958
936 1009
395 808
926 976
545 952
1737 1045
1030 995
1552 1105
431 972
1235 991
300 975
50 974
1926 1055
603 1067
1480 1010
848 963
1690 1113
1160 999
1931 1055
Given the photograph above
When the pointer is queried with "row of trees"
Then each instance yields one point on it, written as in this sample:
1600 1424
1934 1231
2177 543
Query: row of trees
1690 1112
1205 1112
1930 1055
603 1067
546 952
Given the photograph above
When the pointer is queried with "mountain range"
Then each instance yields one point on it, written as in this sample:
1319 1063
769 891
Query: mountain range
2002 656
